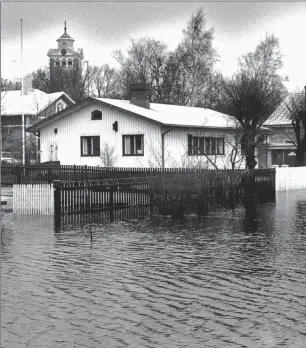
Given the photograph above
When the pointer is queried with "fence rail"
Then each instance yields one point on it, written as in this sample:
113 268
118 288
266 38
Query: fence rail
47 173
184 192
175 192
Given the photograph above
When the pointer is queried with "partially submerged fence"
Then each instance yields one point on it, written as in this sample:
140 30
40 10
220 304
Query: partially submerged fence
179 194
162 192
47 173
34 199
113 198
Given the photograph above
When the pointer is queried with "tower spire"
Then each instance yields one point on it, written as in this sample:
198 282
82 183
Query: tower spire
65 28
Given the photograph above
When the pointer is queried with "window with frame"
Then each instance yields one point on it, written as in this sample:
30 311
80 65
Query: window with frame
60 107
133 145
198 145
90 146
96 115
69 62
57 62
64 62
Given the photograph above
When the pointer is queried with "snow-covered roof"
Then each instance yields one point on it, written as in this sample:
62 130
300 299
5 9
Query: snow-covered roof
175 115
13 103
162 114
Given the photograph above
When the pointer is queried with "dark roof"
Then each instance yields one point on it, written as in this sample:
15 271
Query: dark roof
65 36
281 116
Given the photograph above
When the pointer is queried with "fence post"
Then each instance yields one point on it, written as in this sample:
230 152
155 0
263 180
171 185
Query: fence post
74 173
57 203
111 202
18 174
151 204
50 175
86 173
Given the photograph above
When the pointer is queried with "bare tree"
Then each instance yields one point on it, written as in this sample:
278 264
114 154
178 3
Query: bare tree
104 81
74 81
144 57
184 76
254 92
108 156
195 58
41 79
9 85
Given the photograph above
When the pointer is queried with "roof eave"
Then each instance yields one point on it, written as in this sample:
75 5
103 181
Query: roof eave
20 114
198 126
67 96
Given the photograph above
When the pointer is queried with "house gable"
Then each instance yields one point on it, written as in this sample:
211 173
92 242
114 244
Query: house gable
70 111
78 125
53 107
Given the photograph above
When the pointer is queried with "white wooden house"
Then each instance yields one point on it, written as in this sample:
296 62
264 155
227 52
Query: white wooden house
21 110
139 134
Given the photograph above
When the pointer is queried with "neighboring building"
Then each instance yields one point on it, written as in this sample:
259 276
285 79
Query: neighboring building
20 111
279 147
139 133
65 63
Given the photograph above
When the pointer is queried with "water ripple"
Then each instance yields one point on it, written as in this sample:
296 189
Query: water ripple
158 283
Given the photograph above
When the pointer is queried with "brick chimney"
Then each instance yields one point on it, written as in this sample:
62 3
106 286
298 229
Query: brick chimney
27 85
140 95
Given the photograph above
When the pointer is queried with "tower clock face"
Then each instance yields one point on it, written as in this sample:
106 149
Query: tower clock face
63 51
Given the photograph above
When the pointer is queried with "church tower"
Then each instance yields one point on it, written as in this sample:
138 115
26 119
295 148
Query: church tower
65 63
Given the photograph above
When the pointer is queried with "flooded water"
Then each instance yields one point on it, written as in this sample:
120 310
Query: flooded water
231 280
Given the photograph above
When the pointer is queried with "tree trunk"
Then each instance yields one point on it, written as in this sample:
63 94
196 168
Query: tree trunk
248 145
300 153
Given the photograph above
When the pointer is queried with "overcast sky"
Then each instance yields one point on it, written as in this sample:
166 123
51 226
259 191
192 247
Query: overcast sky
102 27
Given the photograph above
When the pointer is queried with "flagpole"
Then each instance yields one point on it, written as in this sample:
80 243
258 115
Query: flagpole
21 54
21 63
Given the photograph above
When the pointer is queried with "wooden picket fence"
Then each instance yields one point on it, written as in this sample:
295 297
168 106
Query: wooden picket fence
47 173
113 198
192 192
177 194
34 199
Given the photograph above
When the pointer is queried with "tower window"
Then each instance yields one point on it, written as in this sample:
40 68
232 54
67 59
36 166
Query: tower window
57 63
69 62
64 43
64 62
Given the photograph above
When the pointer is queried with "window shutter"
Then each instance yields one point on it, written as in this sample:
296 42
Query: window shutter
96 146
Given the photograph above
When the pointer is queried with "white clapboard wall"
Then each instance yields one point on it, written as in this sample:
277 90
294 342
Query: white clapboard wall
35 199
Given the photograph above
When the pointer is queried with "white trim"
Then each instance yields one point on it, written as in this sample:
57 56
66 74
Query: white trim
60 105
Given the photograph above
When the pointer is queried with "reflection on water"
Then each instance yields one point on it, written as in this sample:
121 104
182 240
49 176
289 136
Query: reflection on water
235 279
